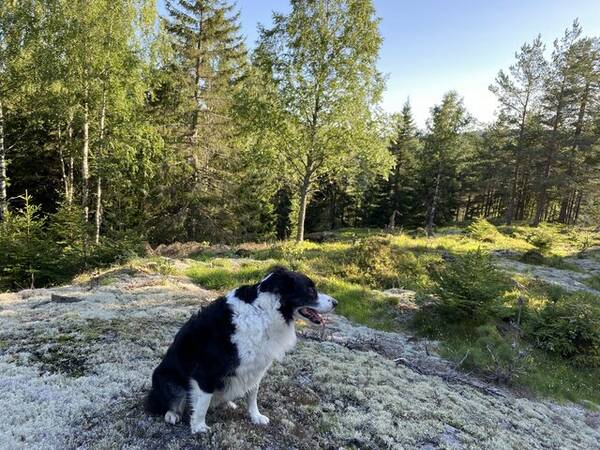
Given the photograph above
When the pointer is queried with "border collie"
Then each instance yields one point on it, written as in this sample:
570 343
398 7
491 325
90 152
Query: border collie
224 350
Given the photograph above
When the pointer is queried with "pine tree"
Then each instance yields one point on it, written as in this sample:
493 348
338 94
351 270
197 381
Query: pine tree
558 107
519 95
404 149
581 152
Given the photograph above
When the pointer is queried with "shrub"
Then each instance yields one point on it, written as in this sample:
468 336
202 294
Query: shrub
540 237
24 248
376 262
570 328
497 357
533 256
372 262
467 286
482 230
39 251
584 240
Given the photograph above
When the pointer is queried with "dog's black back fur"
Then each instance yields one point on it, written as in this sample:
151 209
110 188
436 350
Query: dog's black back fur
205 337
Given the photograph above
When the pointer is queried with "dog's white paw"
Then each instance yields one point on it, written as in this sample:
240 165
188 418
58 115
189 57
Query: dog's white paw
232 405
199 428
172 418
259 419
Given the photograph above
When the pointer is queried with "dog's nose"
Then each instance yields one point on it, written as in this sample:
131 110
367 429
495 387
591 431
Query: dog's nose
334 302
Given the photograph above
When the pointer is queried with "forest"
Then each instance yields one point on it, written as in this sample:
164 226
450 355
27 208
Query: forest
121 128
152 159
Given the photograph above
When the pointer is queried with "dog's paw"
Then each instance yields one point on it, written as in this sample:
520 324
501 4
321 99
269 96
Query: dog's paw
259 419
199 428
231 405
172 418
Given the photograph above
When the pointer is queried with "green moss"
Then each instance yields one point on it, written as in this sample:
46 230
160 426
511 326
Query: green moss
355 265
593 282
221 274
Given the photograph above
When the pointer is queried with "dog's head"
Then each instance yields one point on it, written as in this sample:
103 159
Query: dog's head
298 296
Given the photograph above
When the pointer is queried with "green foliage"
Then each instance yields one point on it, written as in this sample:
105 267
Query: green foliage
593 282
482 230
533 256
468 286
492 354
222 274
542 238
569 327
38 251
376 262
24 248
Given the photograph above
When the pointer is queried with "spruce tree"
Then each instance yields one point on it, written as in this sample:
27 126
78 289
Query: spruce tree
442 150
207 64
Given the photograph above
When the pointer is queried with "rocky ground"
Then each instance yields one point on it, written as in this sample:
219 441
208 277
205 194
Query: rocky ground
75 363
569 280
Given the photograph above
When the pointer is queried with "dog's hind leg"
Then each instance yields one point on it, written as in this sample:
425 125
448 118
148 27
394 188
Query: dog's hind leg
199 401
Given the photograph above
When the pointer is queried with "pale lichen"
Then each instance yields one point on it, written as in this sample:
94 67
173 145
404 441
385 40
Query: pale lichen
74 376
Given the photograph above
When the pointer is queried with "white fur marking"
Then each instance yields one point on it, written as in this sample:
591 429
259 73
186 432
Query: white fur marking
200 401
325 303
172 418
255 415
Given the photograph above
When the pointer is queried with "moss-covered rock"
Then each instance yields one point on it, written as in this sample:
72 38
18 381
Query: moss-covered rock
75 375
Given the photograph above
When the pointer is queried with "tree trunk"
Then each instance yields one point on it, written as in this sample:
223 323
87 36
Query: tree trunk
577 206
99 170
197 78
63 170
552 150
85 168
302 210
3 178
433 204
98 209
510 209
71 176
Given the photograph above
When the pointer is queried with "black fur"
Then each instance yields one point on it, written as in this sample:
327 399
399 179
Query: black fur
294 288
247 293
202 349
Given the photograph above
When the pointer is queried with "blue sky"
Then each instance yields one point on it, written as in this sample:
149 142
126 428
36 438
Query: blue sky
432 46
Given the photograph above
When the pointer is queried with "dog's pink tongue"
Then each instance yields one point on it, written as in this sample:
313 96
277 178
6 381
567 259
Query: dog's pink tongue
312 315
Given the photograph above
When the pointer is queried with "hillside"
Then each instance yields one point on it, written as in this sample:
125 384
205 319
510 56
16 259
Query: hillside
76 362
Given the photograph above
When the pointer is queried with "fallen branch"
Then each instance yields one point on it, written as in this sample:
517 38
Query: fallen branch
58 298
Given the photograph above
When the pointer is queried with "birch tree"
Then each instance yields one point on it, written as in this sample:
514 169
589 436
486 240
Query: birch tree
322 58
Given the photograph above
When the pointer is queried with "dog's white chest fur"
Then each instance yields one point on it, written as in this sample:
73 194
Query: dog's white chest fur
261 336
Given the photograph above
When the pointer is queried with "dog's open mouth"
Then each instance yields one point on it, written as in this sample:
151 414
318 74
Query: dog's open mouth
311 315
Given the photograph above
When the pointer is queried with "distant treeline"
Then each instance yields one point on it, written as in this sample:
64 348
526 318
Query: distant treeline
118 122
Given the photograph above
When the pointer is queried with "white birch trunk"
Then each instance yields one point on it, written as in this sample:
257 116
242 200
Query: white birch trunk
3 178
85 167
99 170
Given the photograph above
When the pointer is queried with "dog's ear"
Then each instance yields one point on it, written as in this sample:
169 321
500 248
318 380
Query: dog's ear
276 280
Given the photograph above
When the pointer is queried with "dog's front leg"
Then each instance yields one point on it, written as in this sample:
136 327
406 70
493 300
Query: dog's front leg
200 401
253 411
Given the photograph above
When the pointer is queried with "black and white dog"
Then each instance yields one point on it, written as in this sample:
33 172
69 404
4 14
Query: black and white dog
224 350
